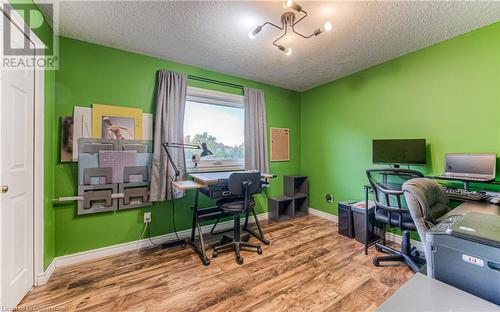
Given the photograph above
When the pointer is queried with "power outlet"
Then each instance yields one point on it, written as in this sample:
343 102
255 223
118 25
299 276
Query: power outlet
147 217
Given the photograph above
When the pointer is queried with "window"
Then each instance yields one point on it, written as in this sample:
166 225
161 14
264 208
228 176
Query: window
215 120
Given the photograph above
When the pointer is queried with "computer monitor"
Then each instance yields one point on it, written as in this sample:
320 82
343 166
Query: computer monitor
399 151
477 166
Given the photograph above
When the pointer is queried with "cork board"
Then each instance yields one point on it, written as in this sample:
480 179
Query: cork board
280 144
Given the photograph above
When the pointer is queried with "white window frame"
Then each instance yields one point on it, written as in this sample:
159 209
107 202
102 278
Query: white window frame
214 98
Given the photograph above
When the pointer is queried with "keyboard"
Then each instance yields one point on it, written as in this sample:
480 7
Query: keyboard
462 194
466 178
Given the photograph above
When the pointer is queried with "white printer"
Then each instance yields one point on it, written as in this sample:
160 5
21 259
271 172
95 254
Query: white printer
466 254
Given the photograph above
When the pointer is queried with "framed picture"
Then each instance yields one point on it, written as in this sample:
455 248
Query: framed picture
116 122
67 139
117 128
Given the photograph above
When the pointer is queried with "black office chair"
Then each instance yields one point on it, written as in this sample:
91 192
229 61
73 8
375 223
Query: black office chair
390 211
243 185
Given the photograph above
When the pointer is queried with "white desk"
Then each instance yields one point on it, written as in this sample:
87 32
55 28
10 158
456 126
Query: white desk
422 293
201 180
216 177
187 185
470 206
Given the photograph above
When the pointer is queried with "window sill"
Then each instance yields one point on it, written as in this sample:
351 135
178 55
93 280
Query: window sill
215 169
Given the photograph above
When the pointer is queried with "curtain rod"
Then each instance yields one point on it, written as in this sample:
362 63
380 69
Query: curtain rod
222 83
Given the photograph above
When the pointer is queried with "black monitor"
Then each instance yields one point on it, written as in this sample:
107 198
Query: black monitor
399 151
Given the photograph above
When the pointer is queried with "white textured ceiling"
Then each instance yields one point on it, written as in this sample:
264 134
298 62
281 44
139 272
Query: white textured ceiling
213 35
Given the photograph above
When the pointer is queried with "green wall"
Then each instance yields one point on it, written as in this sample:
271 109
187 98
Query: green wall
91 73
45 33
448 93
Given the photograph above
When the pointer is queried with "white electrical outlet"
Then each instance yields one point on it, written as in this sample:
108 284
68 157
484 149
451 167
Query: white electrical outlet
147 217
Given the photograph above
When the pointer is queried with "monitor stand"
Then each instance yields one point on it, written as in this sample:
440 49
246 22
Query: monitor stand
466 185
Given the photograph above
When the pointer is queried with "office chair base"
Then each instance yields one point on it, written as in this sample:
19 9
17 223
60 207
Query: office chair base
408 255
237 247
409 261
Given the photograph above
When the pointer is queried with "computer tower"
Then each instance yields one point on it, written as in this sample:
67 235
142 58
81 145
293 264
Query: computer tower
346 223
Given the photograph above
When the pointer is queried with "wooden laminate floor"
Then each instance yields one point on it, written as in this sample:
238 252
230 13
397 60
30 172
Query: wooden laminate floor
307 267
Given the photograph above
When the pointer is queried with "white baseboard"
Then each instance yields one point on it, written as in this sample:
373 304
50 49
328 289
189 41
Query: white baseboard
324 215
388 236
43 278
129 246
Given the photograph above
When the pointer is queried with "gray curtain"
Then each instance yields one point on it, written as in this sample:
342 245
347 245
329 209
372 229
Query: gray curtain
171 91
256 157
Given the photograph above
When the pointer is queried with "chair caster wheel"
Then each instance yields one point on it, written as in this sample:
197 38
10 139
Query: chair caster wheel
415 253
259 250
375 262
215 254
239 260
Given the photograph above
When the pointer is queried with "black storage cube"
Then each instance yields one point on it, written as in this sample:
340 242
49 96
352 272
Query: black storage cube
281 208
295 186
359 223
346 223
300 205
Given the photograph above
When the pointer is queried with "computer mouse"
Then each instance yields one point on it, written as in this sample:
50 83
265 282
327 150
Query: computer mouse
495 200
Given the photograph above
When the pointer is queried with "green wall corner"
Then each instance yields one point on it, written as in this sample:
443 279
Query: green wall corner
447 93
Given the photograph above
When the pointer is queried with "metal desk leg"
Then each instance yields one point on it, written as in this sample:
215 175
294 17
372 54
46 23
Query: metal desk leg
259 236
200 250
366 221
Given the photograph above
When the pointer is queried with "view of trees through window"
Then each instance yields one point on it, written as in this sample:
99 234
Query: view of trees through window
221 128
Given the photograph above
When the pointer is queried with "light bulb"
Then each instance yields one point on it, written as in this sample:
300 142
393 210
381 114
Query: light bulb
292 5
327 26
253 33
287 51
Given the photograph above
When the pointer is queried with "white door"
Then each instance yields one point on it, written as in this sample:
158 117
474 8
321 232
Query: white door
16 179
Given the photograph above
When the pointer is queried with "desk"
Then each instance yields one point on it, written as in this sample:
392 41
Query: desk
422 293
479 206
203 180
207 178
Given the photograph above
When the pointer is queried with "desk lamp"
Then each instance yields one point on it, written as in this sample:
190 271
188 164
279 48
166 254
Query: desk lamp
177 145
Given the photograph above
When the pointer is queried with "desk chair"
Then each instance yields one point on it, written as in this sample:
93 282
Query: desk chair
390 211
427 201
243 185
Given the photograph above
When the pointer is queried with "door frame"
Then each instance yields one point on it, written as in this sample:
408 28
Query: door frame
38 150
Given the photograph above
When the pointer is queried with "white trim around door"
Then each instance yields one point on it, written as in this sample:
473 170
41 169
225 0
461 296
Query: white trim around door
38 198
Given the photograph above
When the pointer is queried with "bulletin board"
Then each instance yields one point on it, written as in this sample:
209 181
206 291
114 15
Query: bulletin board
280 144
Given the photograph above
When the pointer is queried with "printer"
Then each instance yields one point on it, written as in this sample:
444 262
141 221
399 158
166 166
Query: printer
465 253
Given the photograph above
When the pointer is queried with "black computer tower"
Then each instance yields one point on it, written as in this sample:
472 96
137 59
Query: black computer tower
346 223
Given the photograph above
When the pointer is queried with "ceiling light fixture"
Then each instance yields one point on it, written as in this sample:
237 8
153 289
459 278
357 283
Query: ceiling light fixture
288 22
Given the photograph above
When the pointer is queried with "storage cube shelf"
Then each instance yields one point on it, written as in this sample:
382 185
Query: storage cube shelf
296 186
300 205
281 208
294 203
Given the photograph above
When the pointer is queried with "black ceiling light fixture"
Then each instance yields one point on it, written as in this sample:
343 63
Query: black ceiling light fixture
288 21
